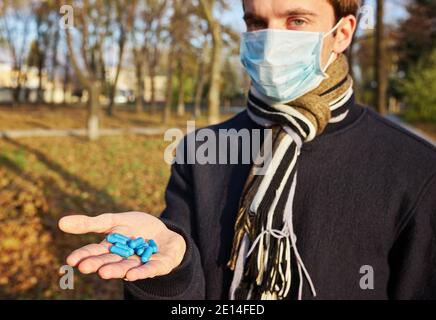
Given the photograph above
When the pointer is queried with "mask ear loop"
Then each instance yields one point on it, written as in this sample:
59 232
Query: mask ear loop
331 58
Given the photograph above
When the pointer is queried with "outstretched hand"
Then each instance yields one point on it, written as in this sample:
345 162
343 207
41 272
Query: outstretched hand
96 258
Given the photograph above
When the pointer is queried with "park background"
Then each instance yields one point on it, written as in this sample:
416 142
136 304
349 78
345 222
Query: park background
83 108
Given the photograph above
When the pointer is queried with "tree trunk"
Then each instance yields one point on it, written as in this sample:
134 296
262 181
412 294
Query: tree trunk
66 82
94 109
54 64
380 65
40 94
139 103
215 73
351 49
215 87
113 89
112 93
139 95
201 79
114 85
17 90
153 88
169 87
181 99
110 107
92 85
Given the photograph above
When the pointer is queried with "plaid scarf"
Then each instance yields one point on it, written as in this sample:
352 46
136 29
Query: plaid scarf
264 244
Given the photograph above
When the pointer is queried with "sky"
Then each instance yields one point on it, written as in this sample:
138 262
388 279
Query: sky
234 17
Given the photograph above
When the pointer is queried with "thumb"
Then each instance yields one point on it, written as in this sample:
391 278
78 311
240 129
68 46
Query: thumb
80 224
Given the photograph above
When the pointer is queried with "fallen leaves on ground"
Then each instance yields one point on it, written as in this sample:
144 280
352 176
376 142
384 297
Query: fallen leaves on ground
43 179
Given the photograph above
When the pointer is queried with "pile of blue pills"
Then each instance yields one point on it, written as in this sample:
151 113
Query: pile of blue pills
126 247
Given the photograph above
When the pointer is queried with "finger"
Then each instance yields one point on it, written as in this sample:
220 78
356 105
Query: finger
118 270
87 251
158 266
92 264
83 224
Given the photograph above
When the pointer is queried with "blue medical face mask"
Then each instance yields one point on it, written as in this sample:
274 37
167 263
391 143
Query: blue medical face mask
283 64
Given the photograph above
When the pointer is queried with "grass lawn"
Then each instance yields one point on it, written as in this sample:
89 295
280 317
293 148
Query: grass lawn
428 128
67 117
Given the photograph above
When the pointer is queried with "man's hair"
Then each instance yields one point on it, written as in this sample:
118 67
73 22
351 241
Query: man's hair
344 8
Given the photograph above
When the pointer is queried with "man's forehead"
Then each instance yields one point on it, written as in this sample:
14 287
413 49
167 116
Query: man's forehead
285 13
279 8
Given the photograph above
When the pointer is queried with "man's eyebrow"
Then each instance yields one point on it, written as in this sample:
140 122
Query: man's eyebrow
299 12
251 16
288 13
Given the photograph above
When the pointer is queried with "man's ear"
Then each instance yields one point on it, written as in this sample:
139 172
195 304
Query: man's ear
344 34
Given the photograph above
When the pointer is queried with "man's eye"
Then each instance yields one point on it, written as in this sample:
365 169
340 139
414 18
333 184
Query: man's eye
297 23
255 25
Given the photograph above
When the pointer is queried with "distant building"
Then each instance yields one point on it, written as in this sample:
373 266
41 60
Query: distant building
5 82
127 84
54 90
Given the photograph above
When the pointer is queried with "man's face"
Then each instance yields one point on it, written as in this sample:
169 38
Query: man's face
299 15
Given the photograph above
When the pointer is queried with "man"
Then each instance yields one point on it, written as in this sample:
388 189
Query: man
347 209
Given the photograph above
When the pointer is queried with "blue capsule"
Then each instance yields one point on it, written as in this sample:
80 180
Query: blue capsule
153 245
140 250
145 244
116 237
122 250
125 247
145 257
136 242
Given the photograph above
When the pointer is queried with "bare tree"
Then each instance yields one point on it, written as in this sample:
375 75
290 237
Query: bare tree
169 84
201 56
207 8
380 60
45 26
154 20
66 81
146 37
181 33
136 39
201 78
89 70
181 96
351 49
122 24
54 54
16 25
139 74
178 32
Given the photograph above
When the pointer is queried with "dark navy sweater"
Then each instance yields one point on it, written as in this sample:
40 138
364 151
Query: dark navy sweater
366 196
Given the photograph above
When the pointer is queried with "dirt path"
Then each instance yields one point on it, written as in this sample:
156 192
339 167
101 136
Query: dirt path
34 133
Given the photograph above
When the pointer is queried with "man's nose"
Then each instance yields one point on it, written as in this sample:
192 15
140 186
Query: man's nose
276 24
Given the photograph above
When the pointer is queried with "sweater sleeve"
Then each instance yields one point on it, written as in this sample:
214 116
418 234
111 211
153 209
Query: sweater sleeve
413 256
185 282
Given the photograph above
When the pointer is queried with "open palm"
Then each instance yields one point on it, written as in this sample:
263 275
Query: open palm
96 258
